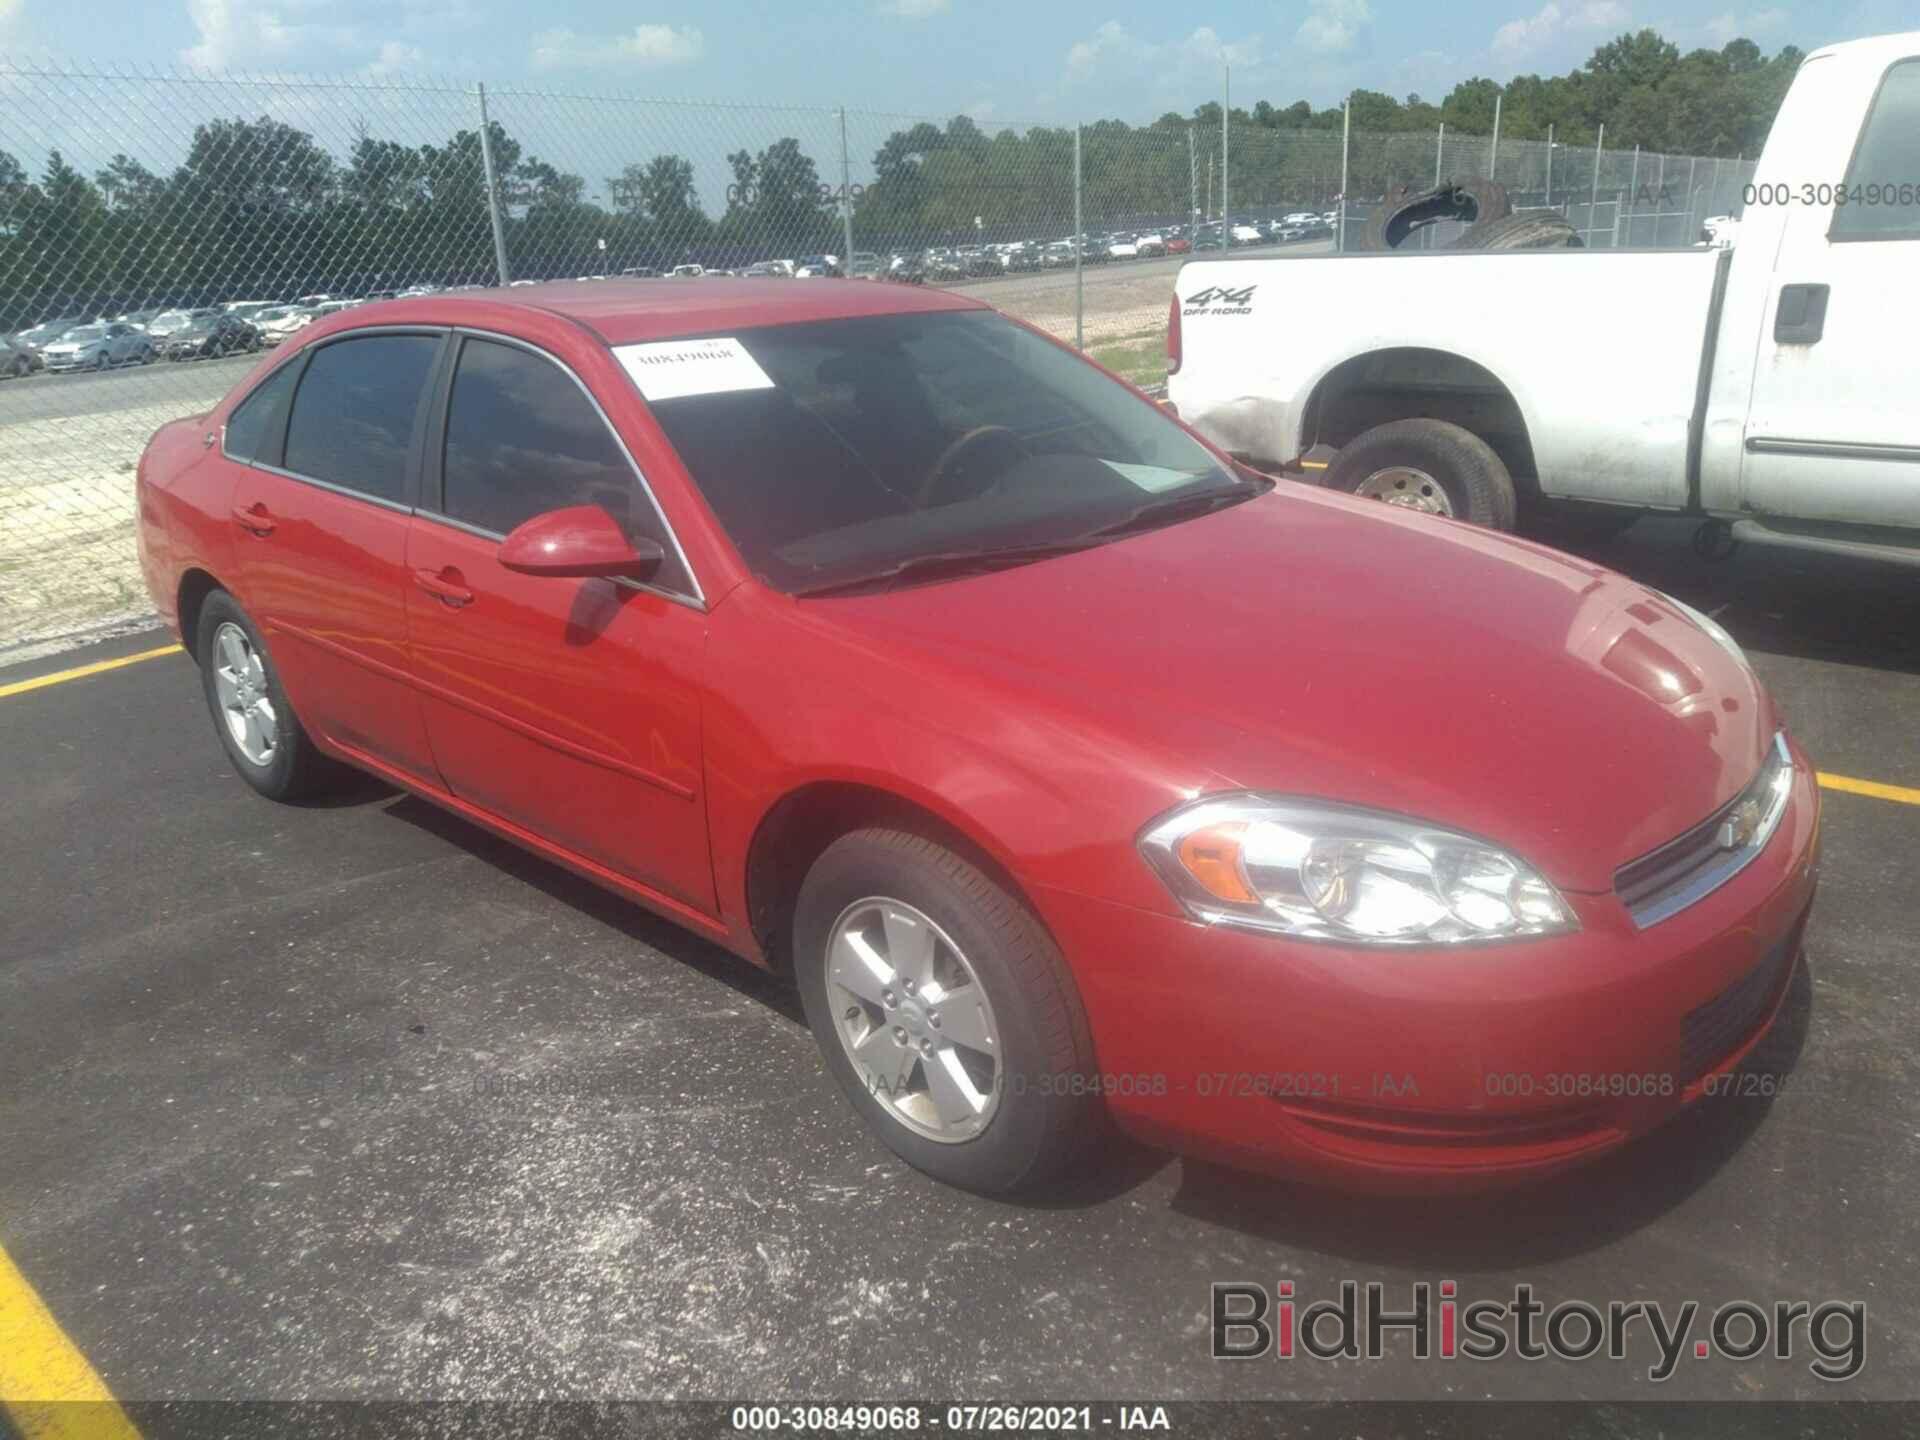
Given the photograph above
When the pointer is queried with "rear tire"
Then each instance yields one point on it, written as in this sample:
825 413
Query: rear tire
1029 1068
1404 461
257 726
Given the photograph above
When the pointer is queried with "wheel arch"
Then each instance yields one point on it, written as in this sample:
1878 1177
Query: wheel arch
1411 382
196 584
802 823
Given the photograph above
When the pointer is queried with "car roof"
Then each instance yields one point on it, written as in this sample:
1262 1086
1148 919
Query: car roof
624 312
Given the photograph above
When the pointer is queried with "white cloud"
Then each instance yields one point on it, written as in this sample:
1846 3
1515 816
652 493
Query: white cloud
1729 26
982 109
247 33
1532 33
1111 41
649 46
1205 48
1113 47
396 56
913 9
1333 27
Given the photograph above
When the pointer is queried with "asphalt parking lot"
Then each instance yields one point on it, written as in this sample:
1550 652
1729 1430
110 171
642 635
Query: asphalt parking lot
357 1101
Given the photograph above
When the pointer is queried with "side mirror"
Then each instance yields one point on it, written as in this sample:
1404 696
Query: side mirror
582 540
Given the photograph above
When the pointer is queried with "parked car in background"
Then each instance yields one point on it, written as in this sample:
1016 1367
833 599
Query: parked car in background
247 309
210 336
640 272
172 322
36 339
140 319
96 347
817 267
1179 245
1150 242
16 360
864 265
688 272
1122 247
1245 234
280 321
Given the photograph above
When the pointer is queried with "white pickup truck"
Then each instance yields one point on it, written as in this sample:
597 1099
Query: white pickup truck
1772 384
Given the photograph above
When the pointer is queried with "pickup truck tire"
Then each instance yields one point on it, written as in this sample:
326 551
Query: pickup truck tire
1405 462
1527 230
1405 210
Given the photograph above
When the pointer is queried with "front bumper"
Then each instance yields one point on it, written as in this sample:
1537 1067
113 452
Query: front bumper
1438 1069
71 362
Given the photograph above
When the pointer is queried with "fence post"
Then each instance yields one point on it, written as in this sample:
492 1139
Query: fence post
1440 156
493 191
1193 185
1346 138
1079 247
1226 124
1549 167
1593 195
1659 196
846 196
1693 169
1633 193
1493 155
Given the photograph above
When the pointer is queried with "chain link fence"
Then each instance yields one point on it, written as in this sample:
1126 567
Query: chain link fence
159 227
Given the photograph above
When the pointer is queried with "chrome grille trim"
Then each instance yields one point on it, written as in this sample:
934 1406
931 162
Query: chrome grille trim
1663 882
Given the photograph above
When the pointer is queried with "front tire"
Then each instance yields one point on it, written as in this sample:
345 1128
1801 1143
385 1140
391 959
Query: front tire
257 726
1428 465
944 1012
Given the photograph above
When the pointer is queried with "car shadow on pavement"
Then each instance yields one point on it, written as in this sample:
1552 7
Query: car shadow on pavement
1582 1210
629 918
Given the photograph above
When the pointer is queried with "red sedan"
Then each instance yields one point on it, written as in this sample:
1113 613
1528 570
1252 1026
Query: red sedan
1065 765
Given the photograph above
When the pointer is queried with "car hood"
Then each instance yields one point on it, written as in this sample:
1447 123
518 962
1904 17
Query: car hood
1312 644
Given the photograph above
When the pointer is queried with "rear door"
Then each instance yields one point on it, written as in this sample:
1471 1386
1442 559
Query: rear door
568 707
1833 433
321 509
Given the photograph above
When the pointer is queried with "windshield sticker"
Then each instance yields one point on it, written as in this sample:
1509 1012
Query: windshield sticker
1151 478
670 369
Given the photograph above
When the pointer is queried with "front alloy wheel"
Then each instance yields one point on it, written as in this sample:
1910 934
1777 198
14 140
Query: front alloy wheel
914 1019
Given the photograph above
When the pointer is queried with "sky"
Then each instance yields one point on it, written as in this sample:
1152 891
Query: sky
999 60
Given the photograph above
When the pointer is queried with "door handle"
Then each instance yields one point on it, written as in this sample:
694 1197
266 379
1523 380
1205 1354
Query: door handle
253 517
1802 316
444 585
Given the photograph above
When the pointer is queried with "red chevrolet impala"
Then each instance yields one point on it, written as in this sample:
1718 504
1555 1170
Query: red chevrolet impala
1065 765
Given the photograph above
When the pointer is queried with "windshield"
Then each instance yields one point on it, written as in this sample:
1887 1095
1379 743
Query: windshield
844 449
87 332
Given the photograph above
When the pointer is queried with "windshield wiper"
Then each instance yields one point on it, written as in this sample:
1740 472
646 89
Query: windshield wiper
1167 509
948 564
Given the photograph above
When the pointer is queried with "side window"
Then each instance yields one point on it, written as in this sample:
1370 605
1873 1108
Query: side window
353 414
522 439
1883 182
252 422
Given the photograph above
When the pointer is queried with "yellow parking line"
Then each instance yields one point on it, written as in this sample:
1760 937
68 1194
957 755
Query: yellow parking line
47 1388
60 677
1900 794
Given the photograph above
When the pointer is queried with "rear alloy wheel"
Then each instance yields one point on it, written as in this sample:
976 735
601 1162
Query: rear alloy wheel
1431 466
944 1012
262 736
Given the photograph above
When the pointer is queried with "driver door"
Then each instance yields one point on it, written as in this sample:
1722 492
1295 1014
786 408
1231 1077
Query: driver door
566 707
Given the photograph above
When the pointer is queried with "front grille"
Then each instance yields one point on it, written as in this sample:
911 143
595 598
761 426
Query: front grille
1711 1032
1693 865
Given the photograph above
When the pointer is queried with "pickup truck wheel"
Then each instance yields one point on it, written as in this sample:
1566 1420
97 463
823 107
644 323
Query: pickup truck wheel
1431 466
944 1011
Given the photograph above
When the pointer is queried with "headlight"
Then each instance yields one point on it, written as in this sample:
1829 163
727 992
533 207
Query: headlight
1713 628
1321 871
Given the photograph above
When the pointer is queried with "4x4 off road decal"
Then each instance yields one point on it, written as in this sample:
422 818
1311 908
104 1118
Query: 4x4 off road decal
1216 301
